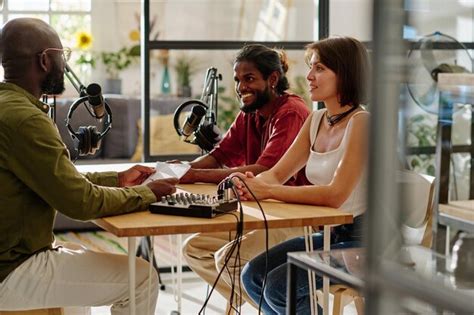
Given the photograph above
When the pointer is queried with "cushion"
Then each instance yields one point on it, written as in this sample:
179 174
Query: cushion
163 139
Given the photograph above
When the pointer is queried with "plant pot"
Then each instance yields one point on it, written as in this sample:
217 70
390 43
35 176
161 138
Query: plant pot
184 91
113 86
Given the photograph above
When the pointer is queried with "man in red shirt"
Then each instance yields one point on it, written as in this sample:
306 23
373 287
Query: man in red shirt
268 122
262 132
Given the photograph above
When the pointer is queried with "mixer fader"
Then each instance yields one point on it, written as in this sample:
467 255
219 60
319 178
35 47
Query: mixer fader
193 205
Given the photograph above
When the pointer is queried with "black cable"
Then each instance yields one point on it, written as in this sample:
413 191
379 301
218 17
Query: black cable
238 255
264 283
226 184
227 258
237 266
236 245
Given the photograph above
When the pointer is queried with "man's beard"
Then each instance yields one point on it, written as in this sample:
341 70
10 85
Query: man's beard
261 98
53 83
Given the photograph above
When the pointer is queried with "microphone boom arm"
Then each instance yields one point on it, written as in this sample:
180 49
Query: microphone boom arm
209 94
73 78
207 133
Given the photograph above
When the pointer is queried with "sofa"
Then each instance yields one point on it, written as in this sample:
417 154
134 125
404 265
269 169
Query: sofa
122 143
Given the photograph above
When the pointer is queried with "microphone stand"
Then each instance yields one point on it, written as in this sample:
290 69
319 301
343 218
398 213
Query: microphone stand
72 77
209 94
74 80
83 97
52 107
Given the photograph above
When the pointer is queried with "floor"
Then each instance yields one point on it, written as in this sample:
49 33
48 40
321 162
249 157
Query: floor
194 289
193 296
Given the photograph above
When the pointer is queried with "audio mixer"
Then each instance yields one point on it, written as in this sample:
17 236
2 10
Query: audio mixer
193 205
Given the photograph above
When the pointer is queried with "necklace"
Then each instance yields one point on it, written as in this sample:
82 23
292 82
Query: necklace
334 119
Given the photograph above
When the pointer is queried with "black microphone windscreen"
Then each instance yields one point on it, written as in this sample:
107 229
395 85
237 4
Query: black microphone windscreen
94 93
193 120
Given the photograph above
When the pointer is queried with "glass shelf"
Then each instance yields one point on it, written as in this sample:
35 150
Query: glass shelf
419 272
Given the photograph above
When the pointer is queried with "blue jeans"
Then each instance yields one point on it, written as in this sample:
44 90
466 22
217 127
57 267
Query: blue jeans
274 295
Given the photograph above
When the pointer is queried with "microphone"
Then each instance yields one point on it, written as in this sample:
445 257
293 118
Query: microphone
193 120
95 98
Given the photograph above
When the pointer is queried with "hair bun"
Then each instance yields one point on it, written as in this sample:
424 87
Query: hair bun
283 60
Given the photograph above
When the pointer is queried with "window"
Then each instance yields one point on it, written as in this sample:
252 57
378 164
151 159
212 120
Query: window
67 17
212 41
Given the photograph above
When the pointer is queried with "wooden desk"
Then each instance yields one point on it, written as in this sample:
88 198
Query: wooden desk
458 214
278 214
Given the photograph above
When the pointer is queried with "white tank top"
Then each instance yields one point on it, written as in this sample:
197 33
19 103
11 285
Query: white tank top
321 167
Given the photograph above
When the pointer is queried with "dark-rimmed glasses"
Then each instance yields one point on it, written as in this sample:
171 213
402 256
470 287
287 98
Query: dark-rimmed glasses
65 52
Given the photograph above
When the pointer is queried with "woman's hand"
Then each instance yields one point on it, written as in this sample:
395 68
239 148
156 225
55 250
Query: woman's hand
134 175
246 183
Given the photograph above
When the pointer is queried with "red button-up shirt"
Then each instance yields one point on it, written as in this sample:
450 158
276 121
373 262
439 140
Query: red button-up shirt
253 140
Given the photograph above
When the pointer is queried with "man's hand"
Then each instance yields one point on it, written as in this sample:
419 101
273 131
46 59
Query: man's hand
134 175
189 177
162 187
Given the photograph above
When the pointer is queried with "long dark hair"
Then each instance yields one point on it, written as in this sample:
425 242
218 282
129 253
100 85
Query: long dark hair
267 61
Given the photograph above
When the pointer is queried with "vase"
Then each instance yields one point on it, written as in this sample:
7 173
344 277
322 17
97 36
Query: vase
165 81
113 86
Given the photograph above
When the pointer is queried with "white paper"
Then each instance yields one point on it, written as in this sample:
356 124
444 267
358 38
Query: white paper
168 170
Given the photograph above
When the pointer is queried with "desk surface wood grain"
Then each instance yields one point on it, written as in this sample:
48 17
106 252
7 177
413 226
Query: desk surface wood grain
278 215
463 209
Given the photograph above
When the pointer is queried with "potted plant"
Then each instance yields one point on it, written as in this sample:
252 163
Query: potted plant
185 67
115 62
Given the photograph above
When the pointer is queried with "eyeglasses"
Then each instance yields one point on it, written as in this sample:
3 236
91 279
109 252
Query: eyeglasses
66 52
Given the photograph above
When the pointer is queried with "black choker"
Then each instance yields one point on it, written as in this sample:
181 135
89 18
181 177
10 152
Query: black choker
334 119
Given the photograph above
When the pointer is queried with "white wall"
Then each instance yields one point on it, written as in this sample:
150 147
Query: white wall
351 18
112 20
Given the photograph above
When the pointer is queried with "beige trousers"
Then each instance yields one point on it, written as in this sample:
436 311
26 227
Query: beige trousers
205 254
77 277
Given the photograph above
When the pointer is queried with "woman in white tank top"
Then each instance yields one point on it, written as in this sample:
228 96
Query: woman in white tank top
333 145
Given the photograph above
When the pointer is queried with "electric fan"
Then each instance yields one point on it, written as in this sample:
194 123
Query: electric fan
437 53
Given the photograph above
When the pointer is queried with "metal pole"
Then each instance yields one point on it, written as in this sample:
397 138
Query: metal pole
323 19
323 26
145 71
383 211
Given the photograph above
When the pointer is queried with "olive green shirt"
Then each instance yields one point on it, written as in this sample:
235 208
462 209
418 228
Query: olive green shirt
37 176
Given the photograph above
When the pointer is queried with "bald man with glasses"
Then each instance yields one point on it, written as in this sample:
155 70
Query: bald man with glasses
37 177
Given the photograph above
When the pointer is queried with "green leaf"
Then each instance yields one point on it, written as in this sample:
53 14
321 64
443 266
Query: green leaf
135 51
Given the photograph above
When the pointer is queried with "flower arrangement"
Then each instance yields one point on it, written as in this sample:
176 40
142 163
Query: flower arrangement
84 42
117 61
162 55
